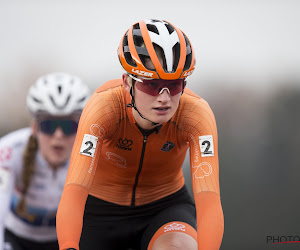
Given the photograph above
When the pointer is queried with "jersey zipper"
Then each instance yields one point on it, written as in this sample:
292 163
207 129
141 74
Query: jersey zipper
139 171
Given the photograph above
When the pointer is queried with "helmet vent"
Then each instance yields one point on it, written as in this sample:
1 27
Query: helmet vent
188 59
68 99
170 28
81 100
152 28
187 62
138 41
136 26
58 106
127 53
176 53
36 100
53 102
160 54
59 89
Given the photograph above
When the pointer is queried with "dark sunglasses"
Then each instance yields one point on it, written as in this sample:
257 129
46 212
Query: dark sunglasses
69 127
155 87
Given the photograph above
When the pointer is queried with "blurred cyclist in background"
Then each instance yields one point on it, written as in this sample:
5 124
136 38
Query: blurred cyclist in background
125 186
34 163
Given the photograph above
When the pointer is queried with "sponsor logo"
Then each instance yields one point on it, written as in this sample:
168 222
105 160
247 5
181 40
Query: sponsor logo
188 73
124 144
202 170
195 148
116 159
97 131
167 146
142 73
174 227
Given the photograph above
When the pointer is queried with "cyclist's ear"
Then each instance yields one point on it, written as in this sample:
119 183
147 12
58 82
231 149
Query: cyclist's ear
126 82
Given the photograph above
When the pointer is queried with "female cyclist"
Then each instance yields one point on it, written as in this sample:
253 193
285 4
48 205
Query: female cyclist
125 187
34 163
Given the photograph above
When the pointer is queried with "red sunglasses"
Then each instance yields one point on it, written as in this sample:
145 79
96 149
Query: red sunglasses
155 87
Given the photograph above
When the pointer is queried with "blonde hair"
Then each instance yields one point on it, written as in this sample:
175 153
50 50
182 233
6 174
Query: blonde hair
28 170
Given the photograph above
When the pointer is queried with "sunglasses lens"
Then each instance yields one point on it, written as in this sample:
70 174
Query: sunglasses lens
69 127
48 127
175 86
149 87
154 86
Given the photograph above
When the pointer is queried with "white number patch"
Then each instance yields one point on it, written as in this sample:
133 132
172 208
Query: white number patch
88 145
206 145
4 179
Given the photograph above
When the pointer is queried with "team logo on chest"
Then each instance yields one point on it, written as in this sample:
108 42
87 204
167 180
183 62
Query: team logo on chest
167 146
124 144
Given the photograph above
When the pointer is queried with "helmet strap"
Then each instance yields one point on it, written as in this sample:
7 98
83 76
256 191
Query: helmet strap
132 105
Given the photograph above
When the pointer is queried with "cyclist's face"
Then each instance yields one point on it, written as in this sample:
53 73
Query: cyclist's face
159 108
54 145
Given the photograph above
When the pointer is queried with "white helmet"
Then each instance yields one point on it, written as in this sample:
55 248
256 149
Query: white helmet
57 94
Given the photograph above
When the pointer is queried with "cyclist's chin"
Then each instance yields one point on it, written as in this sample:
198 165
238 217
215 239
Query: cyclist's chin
55 163
161 118
56 160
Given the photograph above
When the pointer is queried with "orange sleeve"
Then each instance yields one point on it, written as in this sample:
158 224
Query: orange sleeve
69 221
210 221
97 121
203 140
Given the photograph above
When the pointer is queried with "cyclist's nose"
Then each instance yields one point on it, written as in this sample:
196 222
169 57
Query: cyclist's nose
58 132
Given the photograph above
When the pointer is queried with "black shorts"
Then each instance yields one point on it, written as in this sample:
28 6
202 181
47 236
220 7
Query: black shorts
13 242
108 226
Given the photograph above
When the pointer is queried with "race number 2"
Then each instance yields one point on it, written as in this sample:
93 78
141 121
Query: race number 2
88 145
206 145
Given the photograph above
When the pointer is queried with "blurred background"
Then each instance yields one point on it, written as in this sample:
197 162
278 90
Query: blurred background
248 62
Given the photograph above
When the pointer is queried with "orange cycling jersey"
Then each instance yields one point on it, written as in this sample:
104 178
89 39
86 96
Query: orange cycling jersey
114 161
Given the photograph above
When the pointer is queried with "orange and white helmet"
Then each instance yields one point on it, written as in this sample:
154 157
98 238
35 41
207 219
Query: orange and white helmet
166 46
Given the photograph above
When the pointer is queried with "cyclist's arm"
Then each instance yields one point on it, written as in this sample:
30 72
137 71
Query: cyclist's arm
70 215
205 179
94 125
